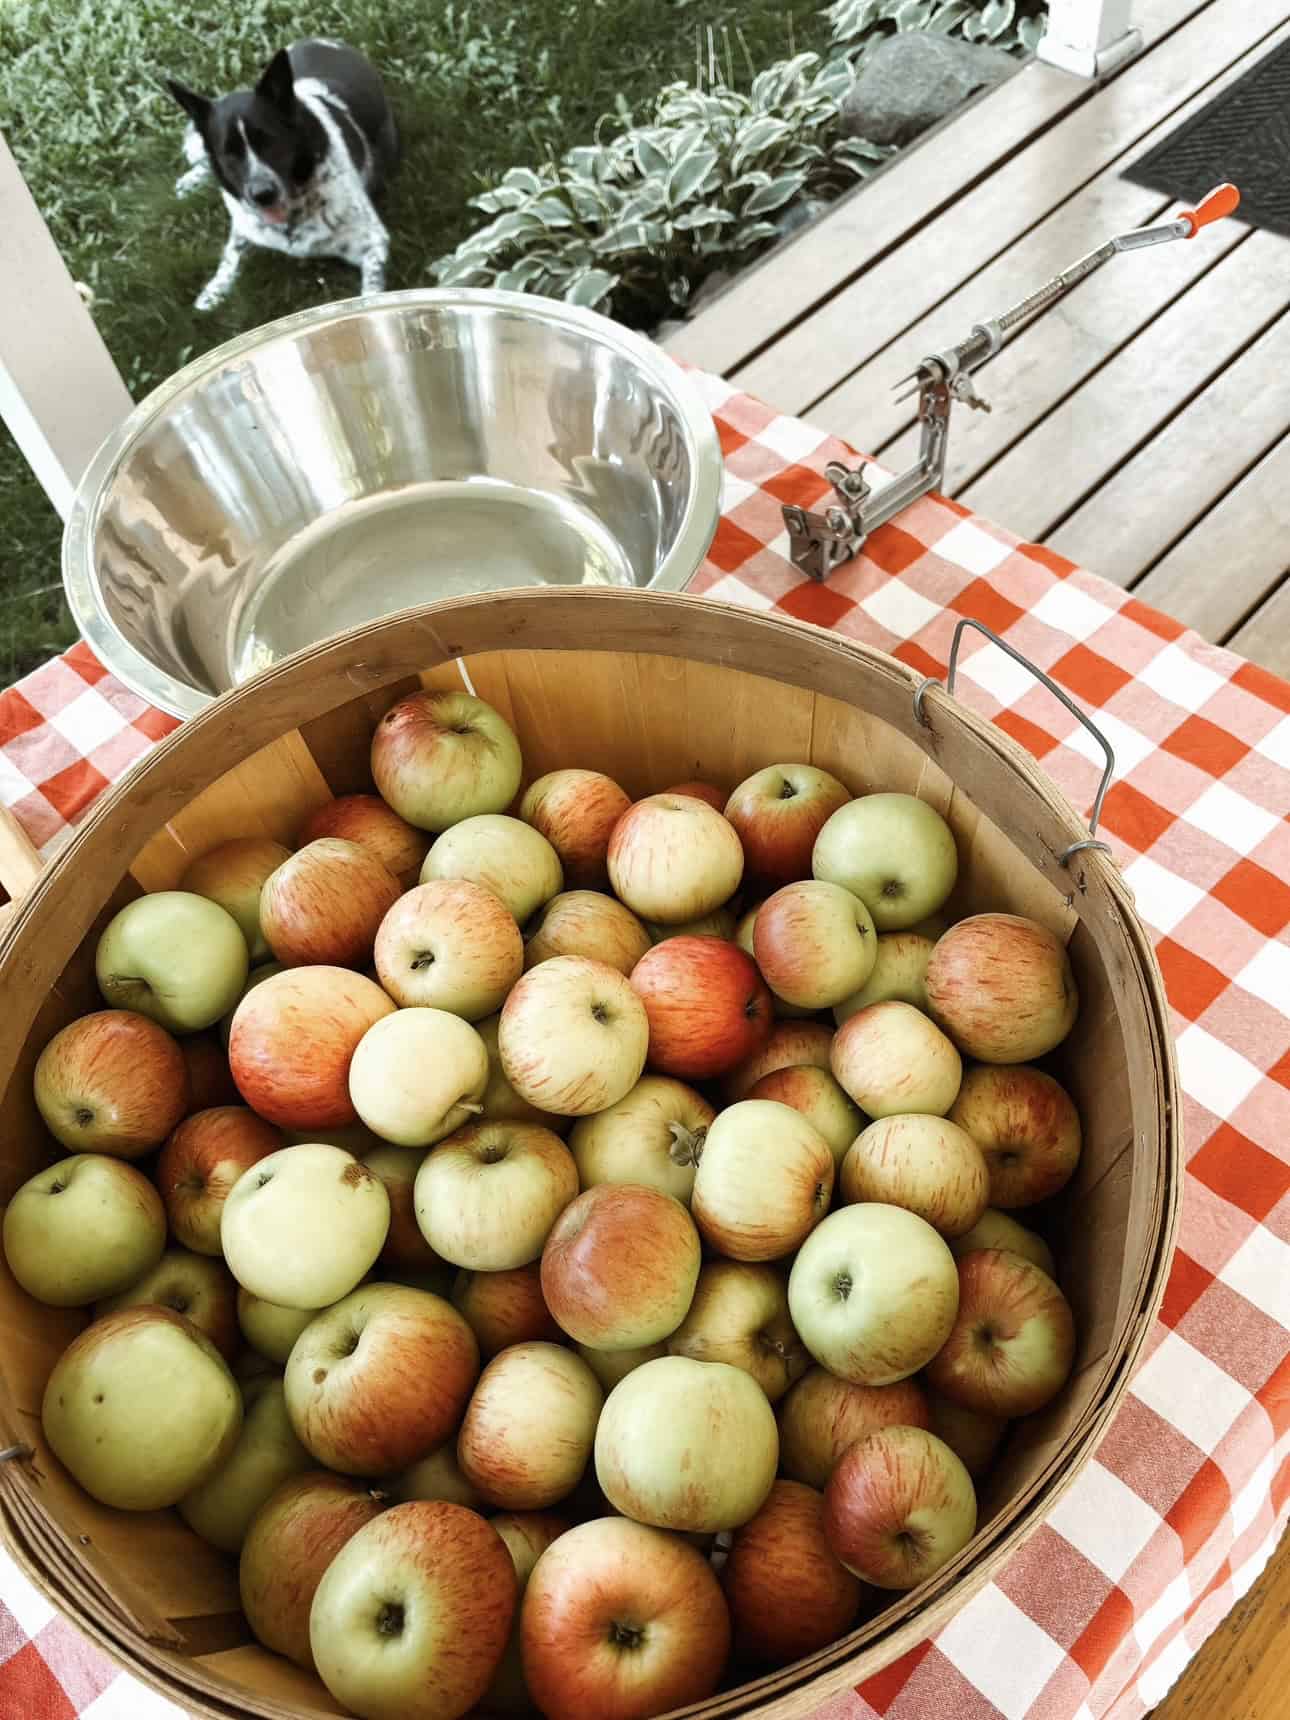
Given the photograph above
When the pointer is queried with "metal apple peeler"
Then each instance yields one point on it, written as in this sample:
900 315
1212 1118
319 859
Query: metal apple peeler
824 540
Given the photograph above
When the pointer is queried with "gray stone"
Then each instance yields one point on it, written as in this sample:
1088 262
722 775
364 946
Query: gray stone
910 81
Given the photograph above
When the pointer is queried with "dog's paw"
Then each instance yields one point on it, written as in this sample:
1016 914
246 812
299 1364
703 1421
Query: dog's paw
207 300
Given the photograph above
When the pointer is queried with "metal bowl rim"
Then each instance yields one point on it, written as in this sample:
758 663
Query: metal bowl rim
146 678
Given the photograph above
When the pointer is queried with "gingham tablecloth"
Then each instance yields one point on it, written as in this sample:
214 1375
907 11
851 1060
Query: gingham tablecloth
1179 1512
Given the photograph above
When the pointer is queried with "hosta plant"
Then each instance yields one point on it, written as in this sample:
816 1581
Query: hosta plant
1015 25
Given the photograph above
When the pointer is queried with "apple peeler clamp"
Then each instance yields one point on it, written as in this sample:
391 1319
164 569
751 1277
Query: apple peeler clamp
822 541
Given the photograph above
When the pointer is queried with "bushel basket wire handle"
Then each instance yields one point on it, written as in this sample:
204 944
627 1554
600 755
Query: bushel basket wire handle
1091 840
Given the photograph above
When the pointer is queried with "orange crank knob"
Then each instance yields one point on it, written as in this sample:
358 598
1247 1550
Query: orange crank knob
1222 200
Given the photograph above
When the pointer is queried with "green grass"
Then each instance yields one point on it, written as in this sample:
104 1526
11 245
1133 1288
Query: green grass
477 89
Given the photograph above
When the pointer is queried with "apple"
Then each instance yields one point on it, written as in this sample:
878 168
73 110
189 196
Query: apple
873 1293
193 1285
85 1228
417 1075
687 1445
412 1616
623 1623
324 904
974 1438
486 1197
141 1408
527 1535
788 1594
745 936
707 1005
292 1540
893 851
576 810
764 1181
257 976
505 855
898 1506
815 943
620 1266
573 1036
406 1250
740 1315
291 1043
585 923
500 1102
1027 1128
437 1476
820 1100
926 1164
210 1080
610 1366
199 1164
707 792
267 1453
450 945
791 1044
377 1382
440 757
316 1192
1002 988
528 1430
111 1082
269 1329
1012 1346
233 874
822 1415
367 820
778 813
174 956
653 1136
996 1229
720 923
892 1060
672 858
504 1308
899 973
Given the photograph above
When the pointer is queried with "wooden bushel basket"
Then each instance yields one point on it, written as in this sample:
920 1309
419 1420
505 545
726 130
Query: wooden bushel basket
654 690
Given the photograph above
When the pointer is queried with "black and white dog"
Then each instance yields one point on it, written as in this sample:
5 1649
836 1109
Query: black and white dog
299 159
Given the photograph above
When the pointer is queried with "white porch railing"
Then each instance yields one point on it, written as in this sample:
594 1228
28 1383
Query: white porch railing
1091 38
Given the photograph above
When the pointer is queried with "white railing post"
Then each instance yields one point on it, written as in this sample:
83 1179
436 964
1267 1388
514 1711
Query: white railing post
1091 38
60 393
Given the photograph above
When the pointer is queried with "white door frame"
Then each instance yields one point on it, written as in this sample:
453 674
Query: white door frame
60 392
1091 38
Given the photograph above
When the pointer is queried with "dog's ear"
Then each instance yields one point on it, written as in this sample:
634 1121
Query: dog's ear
198 108
277 85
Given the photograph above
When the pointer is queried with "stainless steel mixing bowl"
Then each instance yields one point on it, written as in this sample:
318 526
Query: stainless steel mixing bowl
362 457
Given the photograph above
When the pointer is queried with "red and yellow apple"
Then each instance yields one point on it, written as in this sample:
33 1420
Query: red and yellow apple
573 1036
673 858
576 811
418 1075
529 1426
708 1007
233 874
585 923
199 1165
820 1099
926 1164
193 1285
653 1136
815 943
504 1308
996 1229
778 813
439 757
740 1315
367 820
487 1196
452 945
111 1082
620 1266
1002 988
822 1415
324 904
791 1044
898 1506
1027 1128
899 975
1012 1345
765 1179
788 1593
891 1059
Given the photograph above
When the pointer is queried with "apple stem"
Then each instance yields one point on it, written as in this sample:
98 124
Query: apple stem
687 1144
466 1105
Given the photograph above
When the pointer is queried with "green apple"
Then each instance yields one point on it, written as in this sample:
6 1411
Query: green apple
893 851
233 874
899 973
175 956
87 1227
269 1329
267 1453
195 1286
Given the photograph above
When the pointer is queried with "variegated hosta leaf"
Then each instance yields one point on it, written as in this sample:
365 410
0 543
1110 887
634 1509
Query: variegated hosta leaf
590 288
775 195
689 174
703 215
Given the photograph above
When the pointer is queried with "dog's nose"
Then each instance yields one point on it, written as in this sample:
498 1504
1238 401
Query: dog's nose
265 196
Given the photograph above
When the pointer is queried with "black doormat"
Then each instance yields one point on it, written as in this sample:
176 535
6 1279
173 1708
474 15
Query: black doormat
1242 136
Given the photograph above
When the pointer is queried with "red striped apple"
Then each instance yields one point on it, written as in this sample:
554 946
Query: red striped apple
822 1415
325 903
893 851
764 1181
1002 988
406 1250
891 1059
529 1427
573 1036
623 1623
504 1308
1012 1345
414 1613
788 1593
377 1382
576 811
292 1540
291 1043
527 1535
898 1506
745 935
791 1044
653 1136
174 956
505 855
439 757
899 974
487 1196
873 1293
222 1509
672 858
926 1164
585 923
111 1082
452 945
418 1075
234 874
708 1007
996 1229
814 943
501 1103
778 813
85 1228
707 792
367 820
193 1285
740 1315
199 1165
1027 1128
821 1101
687 1445
620 1266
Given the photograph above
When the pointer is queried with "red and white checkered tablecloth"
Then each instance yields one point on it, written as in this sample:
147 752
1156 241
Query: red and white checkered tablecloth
1179 1512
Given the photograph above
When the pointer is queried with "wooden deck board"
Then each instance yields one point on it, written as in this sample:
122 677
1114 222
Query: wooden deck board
1243 1670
